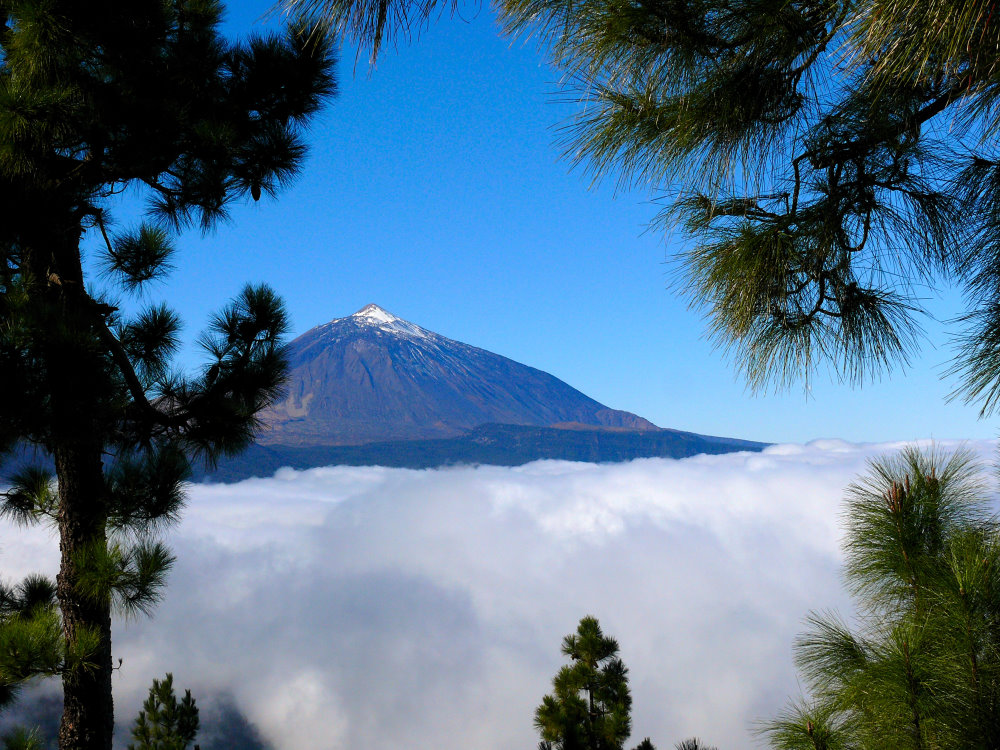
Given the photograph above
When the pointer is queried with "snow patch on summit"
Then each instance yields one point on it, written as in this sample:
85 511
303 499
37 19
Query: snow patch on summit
375 314
375 317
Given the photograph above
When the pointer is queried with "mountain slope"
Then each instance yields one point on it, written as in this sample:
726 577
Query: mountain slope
374 377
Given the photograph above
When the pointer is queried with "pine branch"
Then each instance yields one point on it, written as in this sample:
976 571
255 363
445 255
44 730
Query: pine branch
139 399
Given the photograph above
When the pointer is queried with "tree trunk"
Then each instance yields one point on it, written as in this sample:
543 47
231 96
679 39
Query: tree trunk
88 709
80 392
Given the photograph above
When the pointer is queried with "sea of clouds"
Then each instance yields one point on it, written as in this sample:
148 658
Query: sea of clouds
387 608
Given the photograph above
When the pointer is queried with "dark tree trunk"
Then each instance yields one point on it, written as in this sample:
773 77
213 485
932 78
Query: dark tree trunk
81 391
88 709
78 442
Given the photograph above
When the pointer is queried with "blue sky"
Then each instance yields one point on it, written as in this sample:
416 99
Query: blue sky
435 189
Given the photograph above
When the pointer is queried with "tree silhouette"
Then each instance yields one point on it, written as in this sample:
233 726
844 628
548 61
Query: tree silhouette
97 98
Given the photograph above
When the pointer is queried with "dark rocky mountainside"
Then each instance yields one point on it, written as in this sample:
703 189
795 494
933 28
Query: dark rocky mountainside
494 444
375 377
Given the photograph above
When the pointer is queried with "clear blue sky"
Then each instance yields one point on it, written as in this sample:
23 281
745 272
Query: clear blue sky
435 189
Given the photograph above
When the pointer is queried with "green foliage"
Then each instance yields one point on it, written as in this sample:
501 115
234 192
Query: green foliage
817 195
591 706
31 639
130 577
30 498
145 490
922 669
95 99
371 21
22 739
164 723
156 99
32 643
139 257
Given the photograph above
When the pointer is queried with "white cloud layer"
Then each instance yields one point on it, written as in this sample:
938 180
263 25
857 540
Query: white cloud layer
385 608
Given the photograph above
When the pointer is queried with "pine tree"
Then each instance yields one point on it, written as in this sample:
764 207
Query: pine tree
692 743
22 739
164 723
922 669
31 644
97 98
591 706
30 637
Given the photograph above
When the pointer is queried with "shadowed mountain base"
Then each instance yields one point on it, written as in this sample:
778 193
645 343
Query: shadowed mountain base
494 444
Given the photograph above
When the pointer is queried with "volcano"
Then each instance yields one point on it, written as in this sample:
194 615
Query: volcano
373 377
373 389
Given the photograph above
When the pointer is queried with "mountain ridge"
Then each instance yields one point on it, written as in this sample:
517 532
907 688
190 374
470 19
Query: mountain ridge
375 377
489 444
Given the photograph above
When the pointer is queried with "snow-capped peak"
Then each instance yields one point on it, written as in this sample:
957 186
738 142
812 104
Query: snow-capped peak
375 314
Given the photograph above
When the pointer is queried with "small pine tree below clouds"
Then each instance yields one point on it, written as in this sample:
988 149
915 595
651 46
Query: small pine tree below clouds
164 723
591 706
